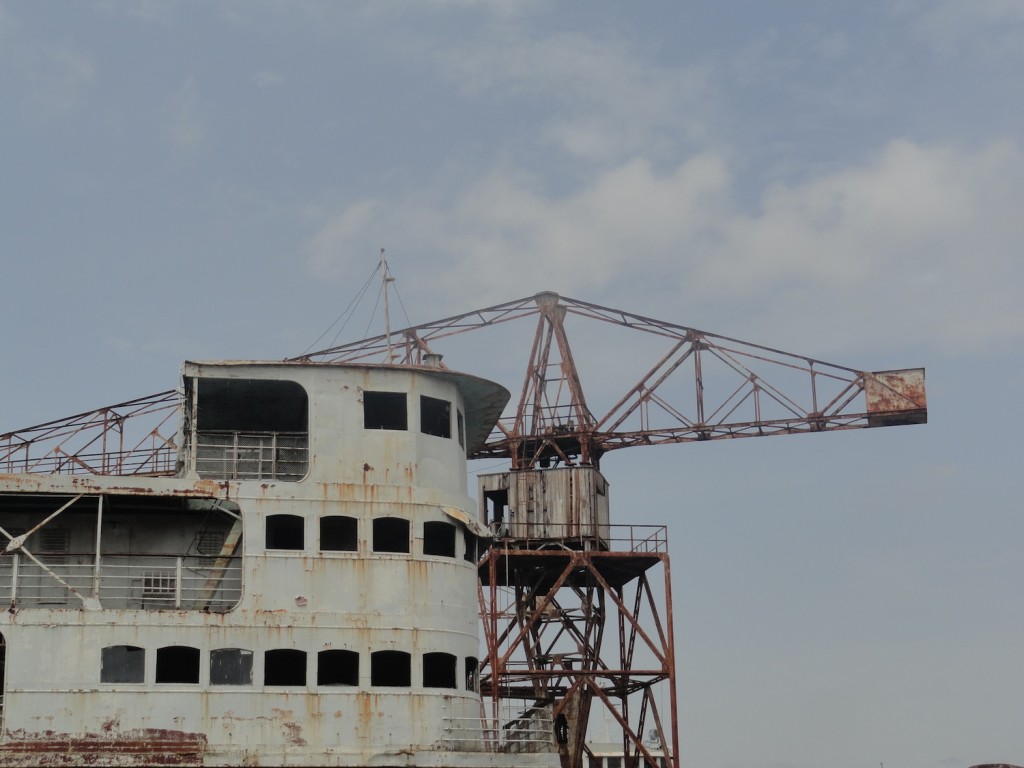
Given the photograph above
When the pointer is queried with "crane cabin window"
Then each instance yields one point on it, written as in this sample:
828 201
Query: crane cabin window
251 429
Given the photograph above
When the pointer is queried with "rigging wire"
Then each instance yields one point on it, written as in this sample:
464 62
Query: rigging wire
347 313
380 292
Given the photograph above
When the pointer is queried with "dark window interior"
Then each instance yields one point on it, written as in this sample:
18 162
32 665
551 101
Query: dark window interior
177 664
390 534
385 410
339 533
439 670
337 667
285 532
496 503
284 666
435 416
230 666
471 555
462 428
390 668
472 672
439 539
123 664
251 405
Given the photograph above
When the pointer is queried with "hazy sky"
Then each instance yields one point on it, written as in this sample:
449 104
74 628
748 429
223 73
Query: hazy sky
840 179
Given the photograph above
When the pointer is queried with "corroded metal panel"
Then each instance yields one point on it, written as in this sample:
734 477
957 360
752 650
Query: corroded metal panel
558 503
896 397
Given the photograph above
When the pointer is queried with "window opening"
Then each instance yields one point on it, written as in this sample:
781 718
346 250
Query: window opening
337 667
440 670
462 428
385 410
177 664
122 664
391 534
284 666
230 666
390 668
496 509
435 416
472 674
439 539
471 555
285 532
339 533
250 429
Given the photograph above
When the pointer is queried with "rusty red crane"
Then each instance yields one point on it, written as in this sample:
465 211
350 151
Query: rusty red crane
576 611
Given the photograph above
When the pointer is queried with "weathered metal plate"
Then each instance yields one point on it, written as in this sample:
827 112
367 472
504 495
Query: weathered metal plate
896 397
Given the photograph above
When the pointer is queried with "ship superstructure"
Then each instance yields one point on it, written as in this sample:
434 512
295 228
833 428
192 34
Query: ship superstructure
302 591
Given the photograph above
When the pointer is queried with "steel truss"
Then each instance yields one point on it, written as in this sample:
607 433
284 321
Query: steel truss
545 615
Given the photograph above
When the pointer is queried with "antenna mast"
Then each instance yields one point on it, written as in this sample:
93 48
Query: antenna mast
385 276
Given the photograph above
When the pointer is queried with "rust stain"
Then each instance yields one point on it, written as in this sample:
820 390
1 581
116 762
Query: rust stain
142 747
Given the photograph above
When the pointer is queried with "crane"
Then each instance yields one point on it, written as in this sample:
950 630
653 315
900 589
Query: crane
573 609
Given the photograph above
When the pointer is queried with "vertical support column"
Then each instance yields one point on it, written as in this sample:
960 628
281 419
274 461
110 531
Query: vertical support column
99 539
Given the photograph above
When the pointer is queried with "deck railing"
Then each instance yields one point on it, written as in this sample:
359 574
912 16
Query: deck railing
148 582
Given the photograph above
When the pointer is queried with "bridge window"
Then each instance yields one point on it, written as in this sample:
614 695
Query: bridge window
284 666
230 666
177 664
391 534
339 533
439 539
122 664
462 428
435 416
472 674
337 667
391 668
440 670
285 532
251 429
385 410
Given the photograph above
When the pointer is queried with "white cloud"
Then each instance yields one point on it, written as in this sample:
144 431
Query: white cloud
917 245
984 27
605 102
267 79
183 123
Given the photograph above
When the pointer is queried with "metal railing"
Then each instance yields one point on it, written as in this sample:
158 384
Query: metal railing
225 455
531 730
642 539
126 582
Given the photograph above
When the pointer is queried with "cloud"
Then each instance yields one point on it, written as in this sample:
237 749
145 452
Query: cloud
915 245
183 123
604 101
984 27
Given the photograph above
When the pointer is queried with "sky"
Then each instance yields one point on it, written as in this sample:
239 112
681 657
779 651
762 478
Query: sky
185 180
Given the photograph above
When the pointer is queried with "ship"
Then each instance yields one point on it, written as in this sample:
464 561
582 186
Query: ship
302 590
